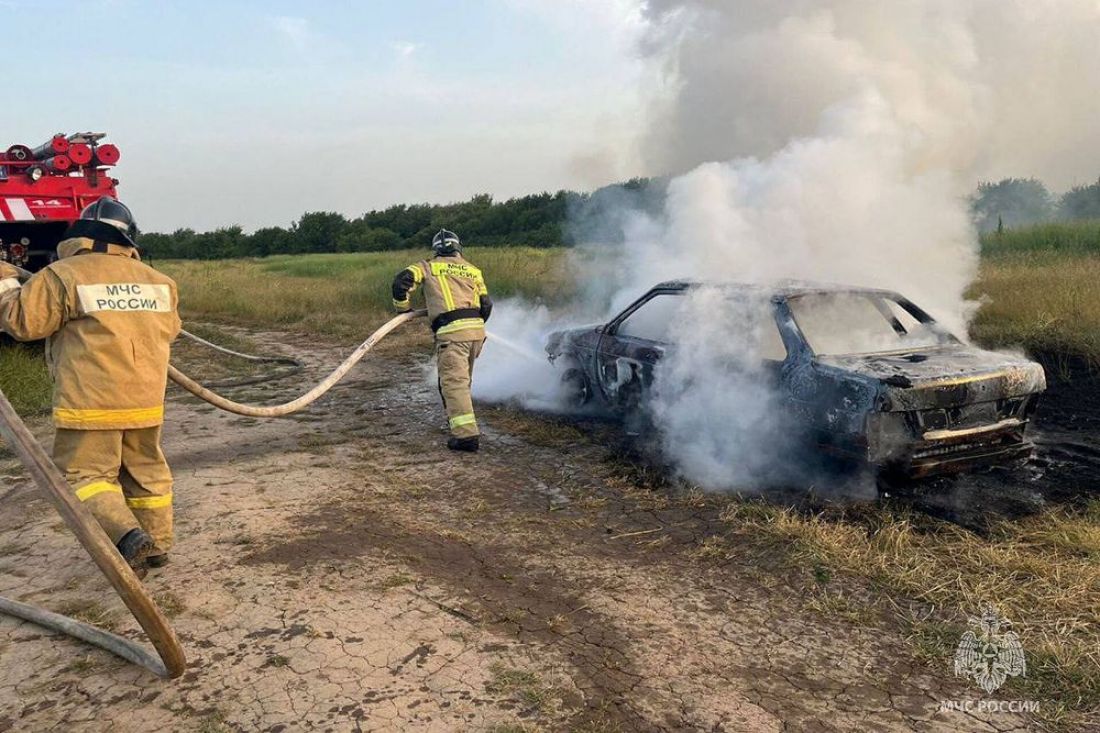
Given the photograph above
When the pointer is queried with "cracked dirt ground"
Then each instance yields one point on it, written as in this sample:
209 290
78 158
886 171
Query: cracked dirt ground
341 570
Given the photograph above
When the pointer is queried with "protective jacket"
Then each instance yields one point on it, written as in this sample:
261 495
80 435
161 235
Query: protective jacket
109 320
455 294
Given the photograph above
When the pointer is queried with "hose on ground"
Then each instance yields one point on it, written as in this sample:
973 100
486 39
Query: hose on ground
306 399
294 365
52 483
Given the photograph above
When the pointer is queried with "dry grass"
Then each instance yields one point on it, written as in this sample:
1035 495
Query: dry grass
1043 574
542 430
1038 288
523 686
90 612
342 294
1040 301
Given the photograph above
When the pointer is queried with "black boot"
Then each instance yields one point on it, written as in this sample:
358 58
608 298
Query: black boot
157 561
135 547
470 445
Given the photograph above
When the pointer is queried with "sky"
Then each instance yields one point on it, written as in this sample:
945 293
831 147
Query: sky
250 113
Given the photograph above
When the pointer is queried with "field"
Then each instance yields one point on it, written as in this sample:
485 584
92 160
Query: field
1037 288
337 294
828 573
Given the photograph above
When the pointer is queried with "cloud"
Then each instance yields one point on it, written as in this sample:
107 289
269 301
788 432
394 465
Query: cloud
297 32
405 49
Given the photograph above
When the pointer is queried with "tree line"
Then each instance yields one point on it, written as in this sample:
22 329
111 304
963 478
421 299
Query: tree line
550 220
1016 202
534 220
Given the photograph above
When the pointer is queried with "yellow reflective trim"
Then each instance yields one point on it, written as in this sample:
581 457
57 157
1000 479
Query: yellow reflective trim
461 324
99 487
459 420
150 502
448 297
107 417
417 273
402 304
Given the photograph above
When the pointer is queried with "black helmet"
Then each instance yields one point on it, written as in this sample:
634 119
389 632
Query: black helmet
446 242
105 220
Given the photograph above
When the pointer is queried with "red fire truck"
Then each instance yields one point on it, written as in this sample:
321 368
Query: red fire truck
43 189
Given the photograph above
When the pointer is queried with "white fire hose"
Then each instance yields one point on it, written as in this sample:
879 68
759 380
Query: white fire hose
301 402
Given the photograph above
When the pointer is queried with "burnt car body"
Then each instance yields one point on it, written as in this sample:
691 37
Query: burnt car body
867 375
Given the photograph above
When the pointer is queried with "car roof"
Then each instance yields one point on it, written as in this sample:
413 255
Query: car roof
777 289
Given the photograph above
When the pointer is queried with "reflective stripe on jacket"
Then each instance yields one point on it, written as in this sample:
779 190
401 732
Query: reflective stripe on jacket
109 321
454 292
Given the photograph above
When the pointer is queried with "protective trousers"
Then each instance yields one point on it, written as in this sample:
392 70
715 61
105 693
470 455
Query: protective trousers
122 477
455 362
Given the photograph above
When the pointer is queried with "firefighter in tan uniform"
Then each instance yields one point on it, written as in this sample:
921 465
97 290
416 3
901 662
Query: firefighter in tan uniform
109 320
458 306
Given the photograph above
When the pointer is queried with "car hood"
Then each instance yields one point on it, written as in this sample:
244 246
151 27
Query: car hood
558 339
943 376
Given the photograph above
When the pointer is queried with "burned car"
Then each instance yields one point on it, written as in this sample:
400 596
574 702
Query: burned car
867 376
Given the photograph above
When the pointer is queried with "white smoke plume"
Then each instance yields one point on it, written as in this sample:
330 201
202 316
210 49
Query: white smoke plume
832 140
987 88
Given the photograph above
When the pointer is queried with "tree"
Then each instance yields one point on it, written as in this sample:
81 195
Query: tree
1012 202
268 241
317 231
1081 202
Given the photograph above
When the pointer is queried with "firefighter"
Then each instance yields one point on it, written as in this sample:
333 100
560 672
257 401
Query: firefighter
458 306
109 320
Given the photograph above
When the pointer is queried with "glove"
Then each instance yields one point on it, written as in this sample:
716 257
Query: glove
9 277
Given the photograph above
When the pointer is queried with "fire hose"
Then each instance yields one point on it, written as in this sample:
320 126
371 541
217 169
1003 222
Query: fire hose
304 400
87 530
48 477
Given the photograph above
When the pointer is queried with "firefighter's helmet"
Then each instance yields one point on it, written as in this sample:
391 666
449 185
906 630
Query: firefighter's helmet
113 212
446 242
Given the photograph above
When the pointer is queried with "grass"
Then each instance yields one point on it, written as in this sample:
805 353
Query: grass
1042 572
170 603
1043 303
90 612
343 294
24 379
1038 289
1037 286
522 685
1078 238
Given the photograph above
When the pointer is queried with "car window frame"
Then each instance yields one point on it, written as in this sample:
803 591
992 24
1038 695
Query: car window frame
918 313
612 327
783 320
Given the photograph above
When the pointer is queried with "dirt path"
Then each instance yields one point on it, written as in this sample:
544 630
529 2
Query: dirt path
343 571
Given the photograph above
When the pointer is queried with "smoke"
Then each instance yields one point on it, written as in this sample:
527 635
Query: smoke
513 365
985 88
830 141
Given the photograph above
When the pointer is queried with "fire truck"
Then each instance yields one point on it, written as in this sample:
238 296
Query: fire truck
44 188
